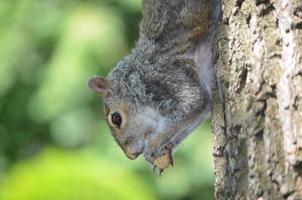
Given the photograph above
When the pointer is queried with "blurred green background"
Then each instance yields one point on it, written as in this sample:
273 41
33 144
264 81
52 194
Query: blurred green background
54 143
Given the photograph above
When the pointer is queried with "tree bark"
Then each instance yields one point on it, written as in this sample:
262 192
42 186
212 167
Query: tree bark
257 112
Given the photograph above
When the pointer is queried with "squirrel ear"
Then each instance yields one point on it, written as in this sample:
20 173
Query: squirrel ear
99 85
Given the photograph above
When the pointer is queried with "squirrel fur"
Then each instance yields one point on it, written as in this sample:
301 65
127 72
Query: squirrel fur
159 93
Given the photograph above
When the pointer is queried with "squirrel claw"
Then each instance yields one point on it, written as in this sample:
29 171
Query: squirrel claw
170 157
171 162
157 170
153 167
160 171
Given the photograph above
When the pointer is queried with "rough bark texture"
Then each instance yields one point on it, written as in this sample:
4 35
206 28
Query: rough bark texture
257 116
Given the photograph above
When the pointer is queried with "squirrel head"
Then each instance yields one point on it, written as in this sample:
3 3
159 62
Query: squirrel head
129 123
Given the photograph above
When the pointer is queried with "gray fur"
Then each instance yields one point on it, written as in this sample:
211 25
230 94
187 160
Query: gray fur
162 74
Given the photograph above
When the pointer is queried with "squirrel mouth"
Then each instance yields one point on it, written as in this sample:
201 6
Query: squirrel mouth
133 156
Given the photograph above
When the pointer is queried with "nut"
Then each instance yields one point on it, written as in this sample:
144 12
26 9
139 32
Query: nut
163 161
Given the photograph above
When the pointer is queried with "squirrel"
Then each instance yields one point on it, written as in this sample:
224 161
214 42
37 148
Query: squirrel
159 93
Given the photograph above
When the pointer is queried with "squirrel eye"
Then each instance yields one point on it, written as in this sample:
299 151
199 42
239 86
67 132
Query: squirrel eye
116 119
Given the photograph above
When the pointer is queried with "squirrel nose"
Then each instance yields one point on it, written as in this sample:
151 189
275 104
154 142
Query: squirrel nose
132 156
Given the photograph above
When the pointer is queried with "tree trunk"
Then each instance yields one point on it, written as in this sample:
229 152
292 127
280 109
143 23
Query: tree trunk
257 114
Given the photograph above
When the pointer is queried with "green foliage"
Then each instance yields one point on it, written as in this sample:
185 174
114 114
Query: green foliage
61 175
48 50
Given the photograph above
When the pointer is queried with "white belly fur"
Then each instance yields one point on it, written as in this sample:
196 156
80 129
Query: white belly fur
202 54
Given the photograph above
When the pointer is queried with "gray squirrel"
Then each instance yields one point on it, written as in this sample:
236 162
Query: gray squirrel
159 93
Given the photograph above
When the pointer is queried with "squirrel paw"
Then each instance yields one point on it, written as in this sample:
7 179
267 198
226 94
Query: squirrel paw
152 151
159 157
162 162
